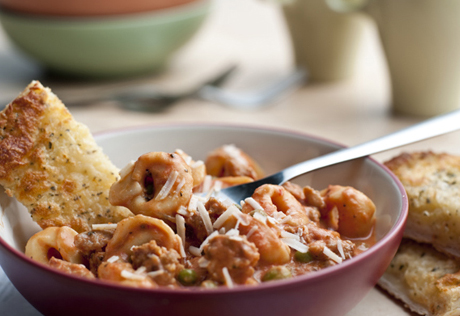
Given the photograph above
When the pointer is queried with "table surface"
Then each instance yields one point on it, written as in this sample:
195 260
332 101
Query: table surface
251 34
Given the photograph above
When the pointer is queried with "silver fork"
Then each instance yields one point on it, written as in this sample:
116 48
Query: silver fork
430 128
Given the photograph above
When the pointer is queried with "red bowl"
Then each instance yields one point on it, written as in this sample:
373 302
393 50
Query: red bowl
331 291
87 7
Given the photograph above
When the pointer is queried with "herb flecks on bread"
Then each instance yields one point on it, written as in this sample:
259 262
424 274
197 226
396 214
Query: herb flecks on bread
425 273
52 165
427 281
432 183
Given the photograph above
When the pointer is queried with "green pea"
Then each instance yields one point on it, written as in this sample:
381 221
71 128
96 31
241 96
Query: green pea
276 273
187 277
303 257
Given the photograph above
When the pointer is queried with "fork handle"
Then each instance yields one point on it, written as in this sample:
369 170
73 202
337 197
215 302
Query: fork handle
436 126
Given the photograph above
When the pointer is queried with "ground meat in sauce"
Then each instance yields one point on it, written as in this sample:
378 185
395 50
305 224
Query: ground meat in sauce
308 197
195 229
92 245
290 212
318 238
313 198
238 255
295 190
93 241
113 272
215 208
156 258
94 261
71 268
230 161
194 263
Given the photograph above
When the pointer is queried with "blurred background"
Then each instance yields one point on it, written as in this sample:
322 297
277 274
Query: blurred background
250 34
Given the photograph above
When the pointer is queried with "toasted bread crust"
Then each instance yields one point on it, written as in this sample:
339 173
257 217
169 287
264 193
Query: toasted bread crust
52 165
432 183
424 279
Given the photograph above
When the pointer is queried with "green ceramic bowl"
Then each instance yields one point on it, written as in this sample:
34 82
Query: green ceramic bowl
108 46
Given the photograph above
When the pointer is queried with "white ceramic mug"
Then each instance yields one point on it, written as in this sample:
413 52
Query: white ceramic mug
421 41
324 42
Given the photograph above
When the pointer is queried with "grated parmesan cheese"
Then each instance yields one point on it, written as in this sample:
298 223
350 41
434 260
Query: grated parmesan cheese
188 160
260 217
206 241
197 163
179 186
241 219
340 249
233 232
226 202
197 251
227 277
285 219
203 262
156 273
183 211
285 234
104 226
205 217
363 247
167 186
180 226
237 225
132 276
224 216
127 169
207 183
254 204
182 249
295 244
251 231
193 204
194 251
113 259
328 252
217 186
140 270
272 220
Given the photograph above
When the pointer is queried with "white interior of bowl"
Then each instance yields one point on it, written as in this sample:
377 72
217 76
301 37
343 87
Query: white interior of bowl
273 149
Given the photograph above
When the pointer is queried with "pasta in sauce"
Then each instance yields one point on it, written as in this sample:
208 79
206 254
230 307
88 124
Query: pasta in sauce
179 239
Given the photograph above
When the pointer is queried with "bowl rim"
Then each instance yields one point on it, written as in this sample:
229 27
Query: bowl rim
268 286
162 15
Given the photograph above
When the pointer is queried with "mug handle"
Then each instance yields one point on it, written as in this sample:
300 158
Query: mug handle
345 6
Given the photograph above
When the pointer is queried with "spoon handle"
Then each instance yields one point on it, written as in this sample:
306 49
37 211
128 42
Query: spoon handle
433 127
430 128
